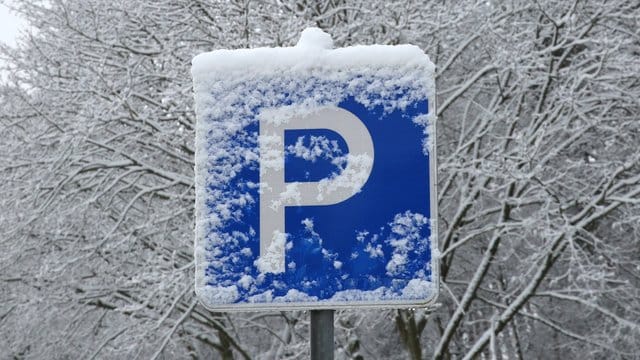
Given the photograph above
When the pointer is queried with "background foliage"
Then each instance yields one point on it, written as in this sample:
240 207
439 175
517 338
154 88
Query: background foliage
539 179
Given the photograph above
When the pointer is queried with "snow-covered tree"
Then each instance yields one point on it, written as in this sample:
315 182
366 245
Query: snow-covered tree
538 170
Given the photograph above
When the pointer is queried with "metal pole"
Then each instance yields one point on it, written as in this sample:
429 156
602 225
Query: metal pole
321 334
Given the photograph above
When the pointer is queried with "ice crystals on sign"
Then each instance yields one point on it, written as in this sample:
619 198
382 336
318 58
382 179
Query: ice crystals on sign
314 184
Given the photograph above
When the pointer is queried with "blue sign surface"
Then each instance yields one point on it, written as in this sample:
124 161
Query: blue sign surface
311 200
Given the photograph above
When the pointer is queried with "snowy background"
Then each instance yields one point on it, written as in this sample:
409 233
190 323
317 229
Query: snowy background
538 179
10 25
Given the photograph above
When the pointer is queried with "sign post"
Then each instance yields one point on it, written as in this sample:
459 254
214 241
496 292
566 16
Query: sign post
315 179
321 334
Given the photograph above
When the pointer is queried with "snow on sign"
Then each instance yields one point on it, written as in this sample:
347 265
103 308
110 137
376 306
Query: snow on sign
315 177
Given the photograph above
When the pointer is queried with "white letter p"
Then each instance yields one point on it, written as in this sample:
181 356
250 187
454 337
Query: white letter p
275 194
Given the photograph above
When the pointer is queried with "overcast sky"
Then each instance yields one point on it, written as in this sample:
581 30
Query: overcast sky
9 25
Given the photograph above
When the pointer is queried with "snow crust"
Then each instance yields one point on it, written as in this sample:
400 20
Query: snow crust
269 262
230 86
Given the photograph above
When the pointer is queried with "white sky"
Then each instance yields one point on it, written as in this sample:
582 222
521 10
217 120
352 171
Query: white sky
9 25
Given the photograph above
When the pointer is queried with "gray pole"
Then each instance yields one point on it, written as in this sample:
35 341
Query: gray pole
321 334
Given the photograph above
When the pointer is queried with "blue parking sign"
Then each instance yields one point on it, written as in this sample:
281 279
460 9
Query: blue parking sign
315 177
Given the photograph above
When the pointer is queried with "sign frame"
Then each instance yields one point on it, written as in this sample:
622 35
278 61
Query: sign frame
228 60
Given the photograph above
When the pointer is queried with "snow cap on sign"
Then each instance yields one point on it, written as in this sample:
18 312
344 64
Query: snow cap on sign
313 50
314 38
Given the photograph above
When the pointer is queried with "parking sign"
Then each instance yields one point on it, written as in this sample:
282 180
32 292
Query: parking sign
315 177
